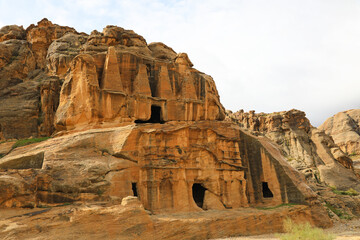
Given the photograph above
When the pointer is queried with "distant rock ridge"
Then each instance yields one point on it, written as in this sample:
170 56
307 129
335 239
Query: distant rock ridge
308 149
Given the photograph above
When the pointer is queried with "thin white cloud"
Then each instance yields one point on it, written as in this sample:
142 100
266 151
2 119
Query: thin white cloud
264 55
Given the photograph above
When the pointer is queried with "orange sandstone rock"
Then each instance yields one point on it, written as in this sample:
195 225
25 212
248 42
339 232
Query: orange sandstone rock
137 120
111 79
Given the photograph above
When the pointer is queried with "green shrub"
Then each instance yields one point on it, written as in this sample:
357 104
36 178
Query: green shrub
341 214
303 231
24 142
350 191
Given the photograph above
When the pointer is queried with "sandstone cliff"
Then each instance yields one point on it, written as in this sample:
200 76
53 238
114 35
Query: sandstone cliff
23 82
127 80
129 118
306 148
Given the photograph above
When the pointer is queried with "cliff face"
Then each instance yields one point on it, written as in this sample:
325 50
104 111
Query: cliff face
23 80
122 77
163 163
306 148
129 118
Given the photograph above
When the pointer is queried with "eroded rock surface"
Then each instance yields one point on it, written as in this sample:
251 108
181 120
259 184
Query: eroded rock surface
306 148
93 221
130 80
136 128
163 163
40 37
170 168
344 128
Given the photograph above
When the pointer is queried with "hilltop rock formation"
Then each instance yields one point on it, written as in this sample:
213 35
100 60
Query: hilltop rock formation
306 148
40 37
126 80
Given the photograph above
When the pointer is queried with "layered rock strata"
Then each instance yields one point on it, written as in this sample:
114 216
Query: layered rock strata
132 119
306 148
162 164
126 80
155 92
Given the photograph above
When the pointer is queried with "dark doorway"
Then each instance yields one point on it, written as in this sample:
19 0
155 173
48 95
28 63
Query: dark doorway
155 116
266 190
134 189
198 193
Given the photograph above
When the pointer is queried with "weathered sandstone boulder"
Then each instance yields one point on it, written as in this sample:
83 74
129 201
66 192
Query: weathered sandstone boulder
12 32
344 128
160 50
61 52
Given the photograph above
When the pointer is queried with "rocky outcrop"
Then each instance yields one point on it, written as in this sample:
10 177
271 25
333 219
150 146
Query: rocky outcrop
40 37
16 62
25 111
309 150
130 81
164 163
344 128
12 32
61 52
154 92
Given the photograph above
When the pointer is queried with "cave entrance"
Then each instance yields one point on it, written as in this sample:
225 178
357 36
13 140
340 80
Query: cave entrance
155 116
198 192
134 189
266 190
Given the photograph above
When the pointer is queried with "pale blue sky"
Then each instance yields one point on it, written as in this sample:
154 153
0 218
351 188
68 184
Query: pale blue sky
264 55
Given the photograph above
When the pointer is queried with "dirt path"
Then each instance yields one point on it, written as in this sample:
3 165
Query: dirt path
346 230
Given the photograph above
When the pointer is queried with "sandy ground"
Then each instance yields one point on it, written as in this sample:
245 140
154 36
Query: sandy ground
347 230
